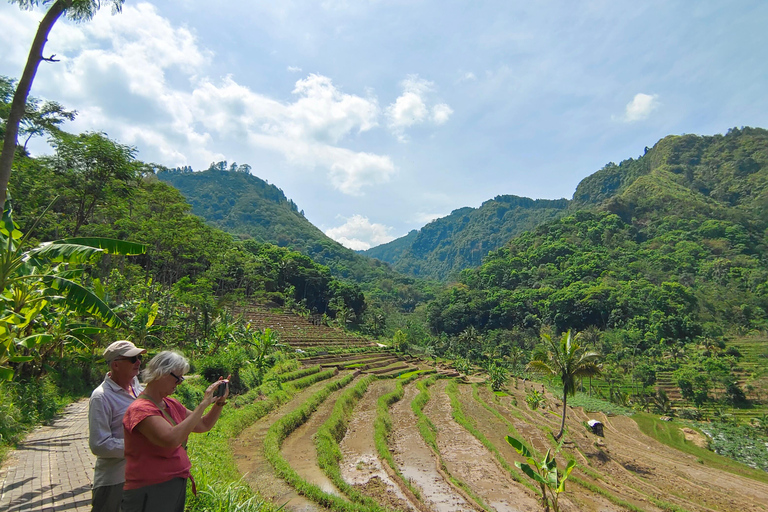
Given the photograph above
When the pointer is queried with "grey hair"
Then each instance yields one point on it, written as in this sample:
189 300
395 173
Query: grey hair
163 364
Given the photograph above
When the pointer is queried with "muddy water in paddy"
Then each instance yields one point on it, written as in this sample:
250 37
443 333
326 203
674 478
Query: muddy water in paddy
360 464
248 450
469 461
417 462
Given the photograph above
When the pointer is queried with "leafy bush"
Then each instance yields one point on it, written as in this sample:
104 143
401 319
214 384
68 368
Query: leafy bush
689 413
535 399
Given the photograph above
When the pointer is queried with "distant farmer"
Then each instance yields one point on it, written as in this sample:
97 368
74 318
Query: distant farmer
105 423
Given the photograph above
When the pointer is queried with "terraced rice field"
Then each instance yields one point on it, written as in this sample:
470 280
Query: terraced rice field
382 433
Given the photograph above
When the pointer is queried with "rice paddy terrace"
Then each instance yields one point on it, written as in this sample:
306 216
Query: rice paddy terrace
374 431
297 331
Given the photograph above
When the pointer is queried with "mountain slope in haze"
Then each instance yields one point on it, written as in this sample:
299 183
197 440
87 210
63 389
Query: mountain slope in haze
462 239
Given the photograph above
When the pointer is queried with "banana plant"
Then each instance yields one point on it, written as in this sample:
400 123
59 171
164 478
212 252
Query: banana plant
44 279
545 474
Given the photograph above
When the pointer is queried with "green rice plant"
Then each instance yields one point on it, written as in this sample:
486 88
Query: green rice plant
595 404
492 410
469 424
213 463
305 382
297 374
235 497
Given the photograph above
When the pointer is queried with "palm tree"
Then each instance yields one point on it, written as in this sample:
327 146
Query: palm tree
567 360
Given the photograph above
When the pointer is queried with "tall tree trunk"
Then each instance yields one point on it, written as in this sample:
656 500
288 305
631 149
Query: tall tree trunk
562 422
19 103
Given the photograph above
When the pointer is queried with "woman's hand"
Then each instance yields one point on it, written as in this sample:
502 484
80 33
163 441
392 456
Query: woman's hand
209 398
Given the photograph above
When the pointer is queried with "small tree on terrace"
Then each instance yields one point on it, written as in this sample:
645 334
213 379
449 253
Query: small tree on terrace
567 360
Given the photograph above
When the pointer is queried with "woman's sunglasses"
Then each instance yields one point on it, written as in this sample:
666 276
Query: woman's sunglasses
132 359
179 380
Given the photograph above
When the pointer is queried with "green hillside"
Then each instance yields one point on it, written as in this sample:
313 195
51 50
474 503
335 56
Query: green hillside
675 248
462 239
235 201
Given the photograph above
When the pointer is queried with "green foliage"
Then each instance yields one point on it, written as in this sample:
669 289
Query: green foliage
233 200
535 399
498 375
446 246
566 360
544 473
742 443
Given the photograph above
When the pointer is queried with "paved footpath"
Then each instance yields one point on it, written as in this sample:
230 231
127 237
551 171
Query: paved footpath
52 469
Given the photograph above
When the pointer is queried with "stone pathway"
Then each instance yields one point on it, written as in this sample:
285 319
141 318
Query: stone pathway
52 469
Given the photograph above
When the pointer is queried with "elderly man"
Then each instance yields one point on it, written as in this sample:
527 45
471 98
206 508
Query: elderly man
105 422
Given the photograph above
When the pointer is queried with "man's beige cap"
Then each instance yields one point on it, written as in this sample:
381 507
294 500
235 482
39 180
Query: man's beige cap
122 348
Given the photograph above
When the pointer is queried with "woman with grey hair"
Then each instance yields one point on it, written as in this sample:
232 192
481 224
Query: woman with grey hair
156 431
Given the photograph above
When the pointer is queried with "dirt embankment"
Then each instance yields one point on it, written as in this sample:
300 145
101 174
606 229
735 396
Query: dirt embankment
360 464
248 450
417 462
470 462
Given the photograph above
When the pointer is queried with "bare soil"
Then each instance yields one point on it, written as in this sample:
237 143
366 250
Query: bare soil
360 464
418 463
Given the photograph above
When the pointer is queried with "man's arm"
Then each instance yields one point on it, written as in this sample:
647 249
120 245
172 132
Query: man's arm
100 438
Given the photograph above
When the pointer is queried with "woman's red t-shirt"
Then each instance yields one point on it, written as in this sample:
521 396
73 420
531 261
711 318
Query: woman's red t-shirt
147 463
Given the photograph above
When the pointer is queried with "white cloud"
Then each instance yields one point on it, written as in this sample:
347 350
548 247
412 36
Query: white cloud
468 77
441 113
411 108
640 107
140 79
294 69
358 233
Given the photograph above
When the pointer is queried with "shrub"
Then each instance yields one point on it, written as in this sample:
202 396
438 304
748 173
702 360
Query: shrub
689 413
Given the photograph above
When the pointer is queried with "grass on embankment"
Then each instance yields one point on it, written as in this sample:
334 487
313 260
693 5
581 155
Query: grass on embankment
287 424
470 425
428 432
330 434
669 433
218 481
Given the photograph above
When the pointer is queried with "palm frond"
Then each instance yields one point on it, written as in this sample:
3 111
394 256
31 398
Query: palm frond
83 300
108 245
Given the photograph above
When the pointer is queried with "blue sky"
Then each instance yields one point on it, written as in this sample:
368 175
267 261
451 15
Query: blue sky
376 117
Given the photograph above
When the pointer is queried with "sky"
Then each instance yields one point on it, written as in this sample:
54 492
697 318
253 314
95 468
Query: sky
378 116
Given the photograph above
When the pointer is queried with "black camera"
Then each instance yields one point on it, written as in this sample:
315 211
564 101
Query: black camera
221 389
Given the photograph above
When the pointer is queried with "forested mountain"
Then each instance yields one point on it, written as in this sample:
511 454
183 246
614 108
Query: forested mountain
462 239
234 200
666 248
